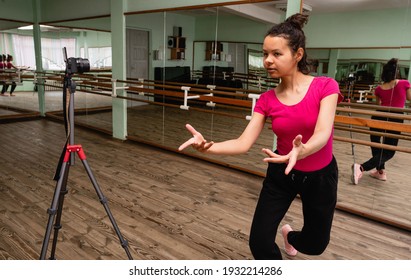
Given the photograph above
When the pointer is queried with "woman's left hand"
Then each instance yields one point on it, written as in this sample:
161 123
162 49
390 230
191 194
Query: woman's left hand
291 158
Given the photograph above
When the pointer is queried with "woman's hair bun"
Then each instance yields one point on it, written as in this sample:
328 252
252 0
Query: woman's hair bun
297 20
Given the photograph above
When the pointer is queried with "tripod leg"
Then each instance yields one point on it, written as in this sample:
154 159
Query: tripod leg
53 209
103 201
57 223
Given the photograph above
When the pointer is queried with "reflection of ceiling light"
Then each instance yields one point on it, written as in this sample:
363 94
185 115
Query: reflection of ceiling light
30 27
283 7
27 27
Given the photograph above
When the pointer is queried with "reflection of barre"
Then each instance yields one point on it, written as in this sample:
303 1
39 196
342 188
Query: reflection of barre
114 88
259 84
10 81
211 88
361 100
39 77
186 97
141 80
254 98
19 77
41 80
11 77
224 75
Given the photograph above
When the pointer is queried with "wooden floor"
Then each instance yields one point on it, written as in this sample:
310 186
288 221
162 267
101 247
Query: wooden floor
167 205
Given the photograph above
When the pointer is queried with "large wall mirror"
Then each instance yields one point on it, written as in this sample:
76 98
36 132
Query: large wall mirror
89 39
221 46
12 34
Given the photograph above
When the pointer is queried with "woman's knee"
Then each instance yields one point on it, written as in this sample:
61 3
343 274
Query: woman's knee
316 247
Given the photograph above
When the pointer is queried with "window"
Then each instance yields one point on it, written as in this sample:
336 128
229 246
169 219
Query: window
22 49
98 57
52 52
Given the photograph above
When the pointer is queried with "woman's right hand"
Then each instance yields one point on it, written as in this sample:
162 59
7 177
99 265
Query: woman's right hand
291 158
197 141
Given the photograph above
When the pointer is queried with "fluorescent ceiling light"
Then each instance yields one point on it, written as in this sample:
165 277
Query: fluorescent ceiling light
27 27
30 27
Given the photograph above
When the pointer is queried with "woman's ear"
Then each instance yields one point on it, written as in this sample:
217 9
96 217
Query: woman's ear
299 54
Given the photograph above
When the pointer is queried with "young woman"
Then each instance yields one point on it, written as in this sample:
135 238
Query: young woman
2 67
302 110
9 65
391 93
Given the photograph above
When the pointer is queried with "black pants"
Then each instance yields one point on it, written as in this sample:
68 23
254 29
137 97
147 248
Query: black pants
6 87
318 192
381 156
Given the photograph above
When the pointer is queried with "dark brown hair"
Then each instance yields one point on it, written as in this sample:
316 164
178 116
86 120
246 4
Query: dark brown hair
292 30
389 70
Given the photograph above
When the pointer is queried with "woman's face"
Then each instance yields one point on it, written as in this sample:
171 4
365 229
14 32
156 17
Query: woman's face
279 60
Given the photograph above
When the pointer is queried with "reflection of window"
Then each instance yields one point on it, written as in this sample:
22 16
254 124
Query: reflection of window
255 63
255 60
99 57
403 72
52 52
21 47
325 67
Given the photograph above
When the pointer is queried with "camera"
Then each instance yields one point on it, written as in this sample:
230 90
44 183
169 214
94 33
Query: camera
78 65
75 64
351 77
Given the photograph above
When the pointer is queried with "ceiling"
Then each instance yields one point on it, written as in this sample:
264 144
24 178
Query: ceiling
332 6
328 6
273 11
267 11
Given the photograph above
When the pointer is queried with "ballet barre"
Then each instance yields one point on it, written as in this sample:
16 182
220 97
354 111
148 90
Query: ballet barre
186 97
364 94
9 77
114 87
253 98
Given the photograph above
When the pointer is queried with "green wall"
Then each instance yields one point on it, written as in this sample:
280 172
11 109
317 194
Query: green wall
231 28
378 28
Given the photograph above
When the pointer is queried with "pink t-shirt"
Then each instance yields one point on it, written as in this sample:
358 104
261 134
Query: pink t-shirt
395 97
301 118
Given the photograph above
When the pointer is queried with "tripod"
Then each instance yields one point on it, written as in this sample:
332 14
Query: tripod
351 80
66 160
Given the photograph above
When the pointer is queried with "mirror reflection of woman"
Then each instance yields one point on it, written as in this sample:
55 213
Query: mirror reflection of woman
8 64
302 109
2 68
393 92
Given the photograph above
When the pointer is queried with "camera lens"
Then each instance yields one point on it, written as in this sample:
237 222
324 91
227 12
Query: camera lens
78 65
83 65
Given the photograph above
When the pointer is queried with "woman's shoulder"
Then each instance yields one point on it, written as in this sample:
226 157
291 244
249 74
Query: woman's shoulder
326 86
403 82
324 79
326 82
268 93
